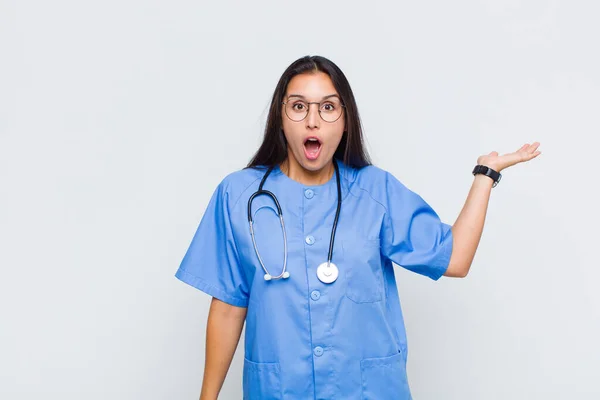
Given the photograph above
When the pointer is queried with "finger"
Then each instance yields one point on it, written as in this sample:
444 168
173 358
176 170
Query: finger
532 155
533 147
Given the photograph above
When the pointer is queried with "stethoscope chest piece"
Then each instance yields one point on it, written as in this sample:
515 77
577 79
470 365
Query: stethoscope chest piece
327 272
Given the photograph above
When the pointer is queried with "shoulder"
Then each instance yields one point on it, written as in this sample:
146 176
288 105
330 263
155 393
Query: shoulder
374 181
237 182
368 176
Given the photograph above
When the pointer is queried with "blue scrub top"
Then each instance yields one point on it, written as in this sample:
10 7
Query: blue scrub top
304 338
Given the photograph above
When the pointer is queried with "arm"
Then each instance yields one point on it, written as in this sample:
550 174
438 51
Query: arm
468 227
223 331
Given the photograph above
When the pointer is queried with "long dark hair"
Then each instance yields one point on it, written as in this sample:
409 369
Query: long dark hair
273 149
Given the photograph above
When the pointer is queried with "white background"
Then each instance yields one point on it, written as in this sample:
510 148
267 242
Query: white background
119 118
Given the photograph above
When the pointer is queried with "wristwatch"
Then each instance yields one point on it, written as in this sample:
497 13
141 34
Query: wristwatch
487 171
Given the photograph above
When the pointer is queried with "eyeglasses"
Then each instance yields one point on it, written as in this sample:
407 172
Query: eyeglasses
330 110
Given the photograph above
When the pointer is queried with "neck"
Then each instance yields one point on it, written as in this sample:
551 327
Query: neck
300 174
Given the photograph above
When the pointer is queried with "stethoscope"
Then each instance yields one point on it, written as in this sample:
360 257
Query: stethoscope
327 272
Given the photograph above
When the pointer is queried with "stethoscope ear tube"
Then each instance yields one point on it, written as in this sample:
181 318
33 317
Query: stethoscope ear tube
284 274
258 193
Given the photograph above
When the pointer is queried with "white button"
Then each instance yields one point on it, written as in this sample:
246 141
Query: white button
318 351
310 240
309 193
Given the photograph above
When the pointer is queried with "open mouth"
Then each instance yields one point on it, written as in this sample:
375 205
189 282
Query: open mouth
312 148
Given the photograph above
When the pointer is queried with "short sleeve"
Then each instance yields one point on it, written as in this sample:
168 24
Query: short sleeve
413 235
211 263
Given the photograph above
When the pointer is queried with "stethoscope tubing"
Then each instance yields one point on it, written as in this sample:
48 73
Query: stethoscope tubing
260 192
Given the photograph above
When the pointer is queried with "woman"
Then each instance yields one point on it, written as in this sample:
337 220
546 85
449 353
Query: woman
316 288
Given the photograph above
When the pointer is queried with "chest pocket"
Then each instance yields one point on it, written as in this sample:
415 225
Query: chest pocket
364 275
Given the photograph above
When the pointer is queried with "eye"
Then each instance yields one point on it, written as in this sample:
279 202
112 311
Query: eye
328 107
298 106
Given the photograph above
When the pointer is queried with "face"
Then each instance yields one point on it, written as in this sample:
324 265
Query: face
312 142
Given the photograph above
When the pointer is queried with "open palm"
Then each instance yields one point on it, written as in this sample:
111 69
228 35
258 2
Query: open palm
525 153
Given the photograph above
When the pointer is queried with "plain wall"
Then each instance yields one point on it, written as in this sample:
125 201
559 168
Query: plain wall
119 118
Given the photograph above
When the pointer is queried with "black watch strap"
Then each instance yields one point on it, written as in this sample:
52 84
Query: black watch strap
487 171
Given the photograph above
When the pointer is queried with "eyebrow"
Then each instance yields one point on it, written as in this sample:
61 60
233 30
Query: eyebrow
324 97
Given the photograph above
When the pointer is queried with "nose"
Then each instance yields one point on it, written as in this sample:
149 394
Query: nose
313 118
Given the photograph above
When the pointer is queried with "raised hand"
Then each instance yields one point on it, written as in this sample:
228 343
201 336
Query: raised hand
498 163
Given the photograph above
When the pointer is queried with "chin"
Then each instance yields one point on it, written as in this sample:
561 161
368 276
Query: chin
312 165
316 165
